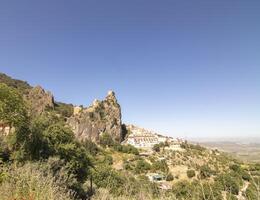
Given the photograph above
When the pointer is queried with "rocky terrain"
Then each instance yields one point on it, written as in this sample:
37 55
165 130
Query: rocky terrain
101 117
39 100
68 152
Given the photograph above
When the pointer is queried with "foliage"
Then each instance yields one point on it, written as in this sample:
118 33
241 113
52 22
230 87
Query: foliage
253 192
235 167
182 190
108 160
157 147
91 147
106 140
191 173
205 171
105 177
14 83
32 182
245 175
160 165
196 147
13 113
126 148
12 107
229 183
142 166
65 110
169 177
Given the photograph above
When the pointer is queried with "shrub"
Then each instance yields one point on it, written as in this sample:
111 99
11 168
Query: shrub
106 177
252 192
182 190
106 140
91 147
108 160
66 110
31 182
205 171
169 177
160 165
229 183
191 173
130 149
245 176
142 166
235 168
156 147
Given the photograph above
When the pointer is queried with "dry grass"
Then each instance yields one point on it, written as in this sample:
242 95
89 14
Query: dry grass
31 183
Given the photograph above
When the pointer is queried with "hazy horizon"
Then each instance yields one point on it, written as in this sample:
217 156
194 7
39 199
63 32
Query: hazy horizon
185 69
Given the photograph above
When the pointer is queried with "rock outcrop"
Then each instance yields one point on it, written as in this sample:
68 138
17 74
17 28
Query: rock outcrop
101 117
39 100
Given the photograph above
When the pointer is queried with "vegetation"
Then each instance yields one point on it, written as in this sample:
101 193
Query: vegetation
191 173
21 86
41 159
64 109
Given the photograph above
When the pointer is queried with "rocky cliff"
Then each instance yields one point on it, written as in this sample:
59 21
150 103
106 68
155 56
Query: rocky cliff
101 117
39 100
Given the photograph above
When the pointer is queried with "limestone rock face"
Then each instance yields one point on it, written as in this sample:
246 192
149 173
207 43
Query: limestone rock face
39 100
101 117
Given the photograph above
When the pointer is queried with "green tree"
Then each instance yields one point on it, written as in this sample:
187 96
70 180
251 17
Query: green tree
13 112
12 107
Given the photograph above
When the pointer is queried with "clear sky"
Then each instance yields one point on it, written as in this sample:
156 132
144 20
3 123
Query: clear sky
183 68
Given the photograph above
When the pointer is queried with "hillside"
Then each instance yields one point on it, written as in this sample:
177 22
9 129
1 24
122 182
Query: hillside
51 150
246 151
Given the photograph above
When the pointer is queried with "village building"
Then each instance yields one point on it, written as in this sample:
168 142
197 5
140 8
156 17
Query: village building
142 138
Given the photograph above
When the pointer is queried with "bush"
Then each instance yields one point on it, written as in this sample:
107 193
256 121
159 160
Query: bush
191 173
182 190
125 148
91 147
66 110
169 177
205 171
142 166
160 166
252 192
245 176
235 168
106 140
129 149
31 182
108 160
107 177
156 147
229 183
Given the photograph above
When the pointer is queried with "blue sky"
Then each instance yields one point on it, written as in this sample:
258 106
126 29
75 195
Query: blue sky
183 68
